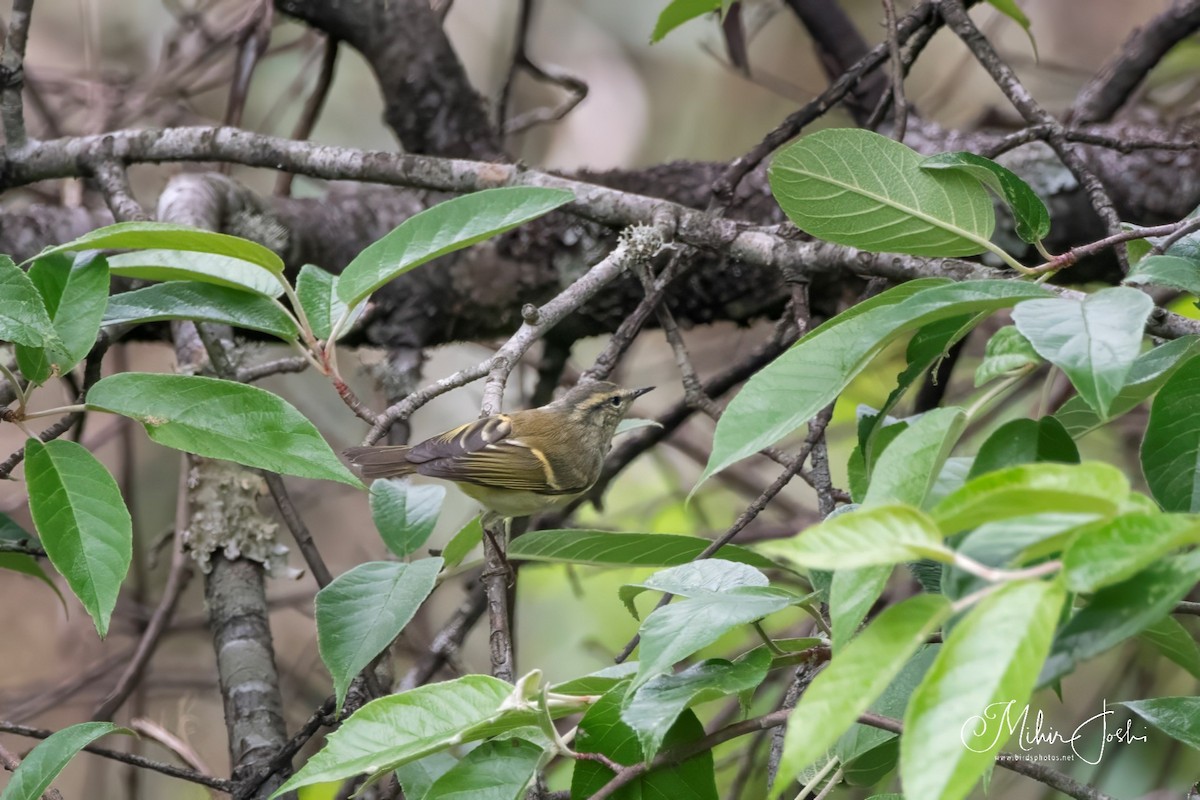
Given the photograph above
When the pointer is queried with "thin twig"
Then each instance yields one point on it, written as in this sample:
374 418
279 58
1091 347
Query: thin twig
185 752
304 540
1174 231
257 372
312 108
1186 226
177 581
725 186
91 374
900 121
576 88
448 640
171 770
24 548
12 77
113 180
252 42
499 366
954 12
635 249
744 519
1108 90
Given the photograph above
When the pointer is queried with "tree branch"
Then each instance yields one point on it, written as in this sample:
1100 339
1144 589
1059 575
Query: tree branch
12 76
1108 90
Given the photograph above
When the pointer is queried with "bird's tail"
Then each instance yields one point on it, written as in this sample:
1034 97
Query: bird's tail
381 462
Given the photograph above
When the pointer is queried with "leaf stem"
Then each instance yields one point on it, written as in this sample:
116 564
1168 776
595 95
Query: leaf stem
995 392
56 412
1006 258
297 312
340 323
810 787
995 575
774 648
22 397
816 615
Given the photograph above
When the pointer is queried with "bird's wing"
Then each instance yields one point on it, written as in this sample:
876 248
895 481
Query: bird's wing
485 453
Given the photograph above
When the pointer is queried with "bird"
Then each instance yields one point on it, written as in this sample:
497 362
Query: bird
519 463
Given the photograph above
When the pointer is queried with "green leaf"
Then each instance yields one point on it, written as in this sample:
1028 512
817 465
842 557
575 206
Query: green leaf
1006 353
1177 717
442 229
167 236
39 769
83 523
694 579
1117 612
399 728
852 593
1025 441
405 513
655 707
74 295
1091 487
794 387
1171 447
1008 542
863 749
463 542
674 632
906 470
602 731
1171 271
1032 220
606 549
1094 342
364 609
1113 550
678 12
221 419
1151 370
1010 9
855 677
991 656
493 771
887 534
23 316
202 302
858 188
927 347
416 777
1169 637
180 265
317 290
952 478
904 473
10 531
599 681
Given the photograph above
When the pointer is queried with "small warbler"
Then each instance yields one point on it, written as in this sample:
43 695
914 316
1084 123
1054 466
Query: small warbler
520 463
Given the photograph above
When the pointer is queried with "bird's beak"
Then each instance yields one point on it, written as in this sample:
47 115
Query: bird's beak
635 393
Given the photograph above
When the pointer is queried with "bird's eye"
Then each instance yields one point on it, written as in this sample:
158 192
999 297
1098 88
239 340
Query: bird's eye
616 401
